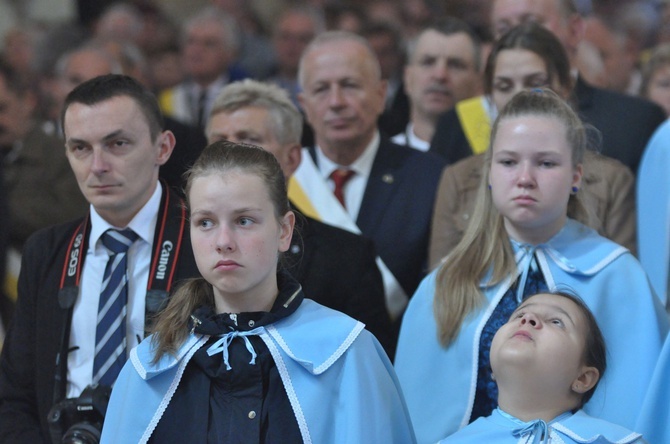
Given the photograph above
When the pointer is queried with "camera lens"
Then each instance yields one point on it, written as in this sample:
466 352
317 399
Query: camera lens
82 433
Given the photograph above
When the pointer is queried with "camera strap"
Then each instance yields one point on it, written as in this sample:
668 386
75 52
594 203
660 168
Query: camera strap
166 246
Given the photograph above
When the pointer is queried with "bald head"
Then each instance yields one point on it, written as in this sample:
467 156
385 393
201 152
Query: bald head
344 38
342 94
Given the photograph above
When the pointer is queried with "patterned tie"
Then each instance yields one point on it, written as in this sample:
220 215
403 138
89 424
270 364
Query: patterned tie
110 335
340 177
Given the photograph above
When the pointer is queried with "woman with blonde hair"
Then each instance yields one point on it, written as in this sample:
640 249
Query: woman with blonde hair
524 238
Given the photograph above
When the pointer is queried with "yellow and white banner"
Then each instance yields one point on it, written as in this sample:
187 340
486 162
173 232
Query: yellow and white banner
308 191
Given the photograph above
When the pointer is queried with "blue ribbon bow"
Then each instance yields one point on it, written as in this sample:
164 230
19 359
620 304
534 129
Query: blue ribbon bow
538 430
224 342
527 262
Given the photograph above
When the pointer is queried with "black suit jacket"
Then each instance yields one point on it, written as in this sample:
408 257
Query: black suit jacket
397 208
28 362
395 118
625 124
337 269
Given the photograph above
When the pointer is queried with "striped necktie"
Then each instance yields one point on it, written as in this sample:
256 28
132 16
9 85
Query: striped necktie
110 335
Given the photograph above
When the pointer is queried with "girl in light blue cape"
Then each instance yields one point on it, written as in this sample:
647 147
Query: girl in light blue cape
547 361
524 236
240 355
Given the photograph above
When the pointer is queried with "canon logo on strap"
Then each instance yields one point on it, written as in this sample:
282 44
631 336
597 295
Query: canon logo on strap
74 255
164 259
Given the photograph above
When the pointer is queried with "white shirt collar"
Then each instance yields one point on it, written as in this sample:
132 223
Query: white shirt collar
414 141
143 224
361 166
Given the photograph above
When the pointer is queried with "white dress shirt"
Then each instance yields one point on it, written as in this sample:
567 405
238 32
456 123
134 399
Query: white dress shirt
355 187
84 317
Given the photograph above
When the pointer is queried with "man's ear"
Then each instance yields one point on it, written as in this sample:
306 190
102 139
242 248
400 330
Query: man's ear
292 159
166 142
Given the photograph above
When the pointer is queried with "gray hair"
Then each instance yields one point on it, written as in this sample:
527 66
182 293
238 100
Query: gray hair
286 120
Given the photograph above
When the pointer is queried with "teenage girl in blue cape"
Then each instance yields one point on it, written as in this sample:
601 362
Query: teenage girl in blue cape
525 237
241 355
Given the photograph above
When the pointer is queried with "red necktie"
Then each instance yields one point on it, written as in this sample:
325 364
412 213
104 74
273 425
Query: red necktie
340 177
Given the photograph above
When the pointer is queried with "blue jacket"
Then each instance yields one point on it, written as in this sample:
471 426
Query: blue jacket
653 210
578 428
439 383
339 381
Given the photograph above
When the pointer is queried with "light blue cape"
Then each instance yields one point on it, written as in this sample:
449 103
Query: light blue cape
340 383
439 383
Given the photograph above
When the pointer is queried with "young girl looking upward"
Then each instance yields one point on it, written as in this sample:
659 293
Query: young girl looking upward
241 355
547 361
523 238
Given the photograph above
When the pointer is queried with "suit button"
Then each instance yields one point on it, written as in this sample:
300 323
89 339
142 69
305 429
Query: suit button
252 414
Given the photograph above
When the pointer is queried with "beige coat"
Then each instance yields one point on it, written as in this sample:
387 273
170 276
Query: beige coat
608 188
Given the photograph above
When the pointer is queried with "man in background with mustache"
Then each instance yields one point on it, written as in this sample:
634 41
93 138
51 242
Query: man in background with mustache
443 68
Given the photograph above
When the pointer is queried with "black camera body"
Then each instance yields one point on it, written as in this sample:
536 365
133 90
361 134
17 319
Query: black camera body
79 420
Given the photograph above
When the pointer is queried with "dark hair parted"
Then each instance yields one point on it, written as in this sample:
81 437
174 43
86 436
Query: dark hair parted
109 86
595 349
538 40
171 328
485 248
449 26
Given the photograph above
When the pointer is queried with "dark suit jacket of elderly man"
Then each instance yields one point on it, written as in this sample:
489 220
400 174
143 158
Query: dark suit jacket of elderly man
397 207
338 269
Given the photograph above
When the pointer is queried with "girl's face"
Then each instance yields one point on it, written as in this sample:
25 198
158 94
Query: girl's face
236 239
659 88
518 70
546 335
532 176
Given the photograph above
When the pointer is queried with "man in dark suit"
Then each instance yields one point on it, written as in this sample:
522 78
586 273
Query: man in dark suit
385 191
335 268
115 145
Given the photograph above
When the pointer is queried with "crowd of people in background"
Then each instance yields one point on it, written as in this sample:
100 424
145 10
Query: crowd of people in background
397 127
